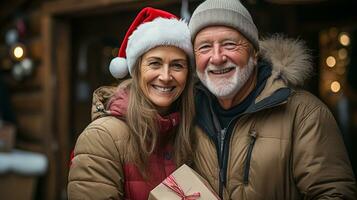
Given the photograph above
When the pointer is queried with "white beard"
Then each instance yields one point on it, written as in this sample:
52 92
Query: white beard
226 88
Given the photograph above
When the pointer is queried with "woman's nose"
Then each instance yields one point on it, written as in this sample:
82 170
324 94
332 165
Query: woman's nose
165 74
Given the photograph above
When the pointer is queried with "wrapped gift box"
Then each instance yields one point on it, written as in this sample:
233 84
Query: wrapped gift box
189 182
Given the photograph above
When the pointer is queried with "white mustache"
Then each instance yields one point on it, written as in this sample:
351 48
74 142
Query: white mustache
229 64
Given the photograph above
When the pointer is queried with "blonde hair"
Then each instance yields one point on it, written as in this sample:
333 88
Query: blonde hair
144 131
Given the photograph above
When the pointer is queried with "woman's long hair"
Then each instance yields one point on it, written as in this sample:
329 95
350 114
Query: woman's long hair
142 121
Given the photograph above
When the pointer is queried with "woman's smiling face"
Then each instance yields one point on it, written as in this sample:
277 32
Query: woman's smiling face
163 75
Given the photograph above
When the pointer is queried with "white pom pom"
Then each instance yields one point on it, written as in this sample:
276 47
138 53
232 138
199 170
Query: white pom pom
118 67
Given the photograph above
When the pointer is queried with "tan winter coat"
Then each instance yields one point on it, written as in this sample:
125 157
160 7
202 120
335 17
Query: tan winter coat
101 168
285 146
96 171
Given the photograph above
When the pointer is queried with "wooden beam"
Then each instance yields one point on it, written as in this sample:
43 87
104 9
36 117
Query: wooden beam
49 191
63 88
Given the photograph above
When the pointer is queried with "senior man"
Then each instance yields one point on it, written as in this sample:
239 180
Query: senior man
259 136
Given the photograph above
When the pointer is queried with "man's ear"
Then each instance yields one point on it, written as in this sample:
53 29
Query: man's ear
255 57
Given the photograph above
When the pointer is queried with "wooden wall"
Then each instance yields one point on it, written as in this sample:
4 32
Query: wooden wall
28 97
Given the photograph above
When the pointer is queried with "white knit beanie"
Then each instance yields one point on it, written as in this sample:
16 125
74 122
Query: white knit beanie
229 13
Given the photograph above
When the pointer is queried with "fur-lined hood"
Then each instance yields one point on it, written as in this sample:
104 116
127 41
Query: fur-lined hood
290 58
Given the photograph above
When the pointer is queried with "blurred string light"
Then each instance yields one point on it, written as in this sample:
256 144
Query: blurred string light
22 69
17 72
335 86
27 66
17 61
18 52
11 36
335 53
342 53
344 39
331 61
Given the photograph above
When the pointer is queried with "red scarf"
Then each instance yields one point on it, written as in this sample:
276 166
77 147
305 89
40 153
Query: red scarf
118 106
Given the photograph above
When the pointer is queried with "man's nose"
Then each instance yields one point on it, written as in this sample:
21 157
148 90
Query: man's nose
218 56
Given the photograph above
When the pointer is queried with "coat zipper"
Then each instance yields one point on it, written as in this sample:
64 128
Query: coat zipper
223 167
222 136
221 174
253 137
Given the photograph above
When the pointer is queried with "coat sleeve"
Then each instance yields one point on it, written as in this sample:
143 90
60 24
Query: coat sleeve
96 171
320 162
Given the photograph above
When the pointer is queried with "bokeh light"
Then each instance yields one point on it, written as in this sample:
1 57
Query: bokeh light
18 52
344 39
331 61
335 86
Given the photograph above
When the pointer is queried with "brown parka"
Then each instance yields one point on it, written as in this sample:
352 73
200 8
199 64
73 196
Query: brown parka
286 145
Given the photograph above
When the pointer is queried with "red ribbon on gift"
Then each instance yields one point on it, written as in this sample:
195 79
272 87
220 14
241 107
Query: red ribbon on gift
171 183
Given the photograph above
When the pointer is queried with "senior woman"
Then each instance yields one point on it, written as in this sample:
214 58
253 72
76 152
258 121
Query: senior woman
142 133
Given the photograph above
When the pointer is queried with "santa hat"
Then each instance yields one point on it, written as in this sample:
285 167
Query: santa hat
151 28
